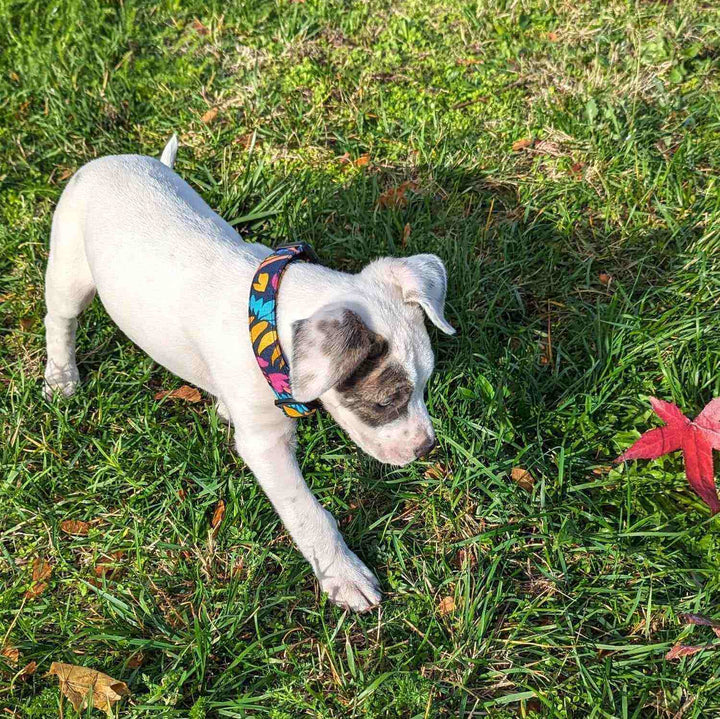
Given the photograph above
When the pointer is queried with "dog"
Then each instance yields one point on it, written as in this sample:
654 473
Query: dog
175 278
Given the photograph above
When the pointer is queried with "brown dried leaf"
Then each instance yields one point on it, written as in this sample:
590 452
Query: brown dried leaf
27 671
522 478
199 28
463 557
12 654
683 650
106 567
76 683
36 590
700 620
405 234
437 471
522 144
26 323
136 660
363 160
605 278
395 196
553 36
210 115
41 570
67 172
577 167
76 527
218 514
446 606
189 394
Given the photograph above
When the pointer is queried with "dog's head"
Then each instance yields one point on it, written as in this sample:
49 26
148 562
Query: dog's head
368 357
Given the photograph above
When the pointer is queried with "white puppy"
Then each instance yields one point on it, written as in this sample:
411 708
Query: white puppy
175 277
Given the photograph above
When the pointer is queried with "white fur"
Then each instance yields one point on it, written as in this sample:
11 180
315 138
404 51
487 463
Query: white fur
175 277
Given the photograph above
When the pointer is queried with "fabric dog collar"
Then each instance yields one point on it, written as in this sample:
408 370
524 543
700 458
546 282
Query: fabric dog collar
262 313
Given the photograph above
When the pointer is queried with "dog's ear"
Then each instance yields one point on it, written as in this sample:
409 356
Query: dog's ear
423 280
327 347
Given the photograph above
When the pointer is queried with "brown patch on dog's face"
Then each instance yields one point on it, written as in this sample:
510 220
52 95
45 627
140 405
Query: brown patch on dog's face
379 390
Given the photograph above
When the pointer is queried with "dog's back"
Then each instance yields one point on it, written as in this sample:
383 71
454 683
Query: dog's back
128 227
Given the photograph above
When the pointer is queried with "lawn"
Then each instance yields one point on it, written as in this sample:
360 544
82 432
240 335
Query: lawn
561 157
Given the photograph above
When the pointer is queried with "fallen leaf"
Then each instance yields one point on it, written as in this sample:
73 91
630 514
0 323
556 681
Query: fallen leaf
605 278
446 606
463 557
437 471
136 660
41 570
553 36
27 671
702 621
522 478
76 683
696 439
395 196
36 590
577 167
189 394
363 160
76 527
107 566
683 650
468 61
210 115
12 654
521 144
199 28
26 323
67 172
405 234
218 514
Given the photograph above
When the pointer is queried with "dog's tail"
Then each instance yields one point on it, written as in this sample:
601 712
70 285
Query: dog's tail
170 152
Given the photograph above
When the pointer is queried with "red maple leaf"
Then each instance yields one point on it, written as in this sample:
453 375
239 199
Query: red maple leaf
696 439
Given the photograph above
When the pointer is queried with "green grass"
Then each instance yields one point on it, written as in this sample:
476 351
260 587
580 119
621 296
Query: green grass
566 597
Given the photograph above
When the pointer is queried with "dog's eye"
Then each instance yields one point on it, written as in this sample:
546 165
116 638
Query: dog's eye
385 402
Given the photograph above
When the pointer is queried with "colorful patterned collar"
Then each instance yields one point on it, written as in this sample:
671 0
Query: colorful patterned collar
263 326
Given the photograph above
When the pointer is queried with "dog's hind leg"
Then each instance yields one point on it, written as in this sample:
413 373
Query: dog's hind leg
69 289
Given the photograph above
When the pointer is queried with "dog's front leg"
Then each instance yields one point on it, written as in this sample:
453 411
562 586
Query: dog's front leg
270 454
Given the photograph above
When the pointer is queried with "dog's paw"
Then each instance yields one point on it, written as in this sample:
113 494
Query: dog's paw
350 584
60 381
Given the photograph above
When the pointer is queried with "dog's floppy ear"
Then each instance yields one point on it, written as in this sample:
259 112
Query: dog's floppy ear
423 280
327 347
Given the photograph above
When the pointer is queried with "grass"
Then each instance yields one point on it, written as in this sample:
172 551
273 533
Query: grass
583 278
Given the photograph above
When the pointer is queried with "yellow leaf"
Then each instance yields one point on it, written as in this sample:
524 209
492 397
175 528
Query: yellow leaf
77 683
363 160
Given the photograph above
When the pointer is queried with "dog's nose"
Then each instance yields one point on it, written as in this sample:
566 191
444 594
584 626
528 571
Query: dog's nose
426 447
